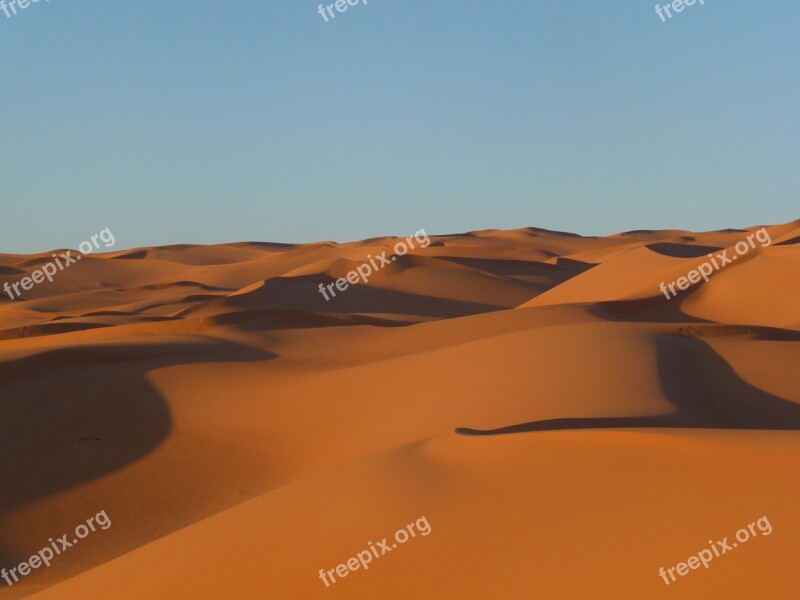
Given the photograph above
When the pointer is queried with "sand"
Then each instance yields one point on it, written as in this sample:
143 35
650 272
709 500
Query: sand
565 429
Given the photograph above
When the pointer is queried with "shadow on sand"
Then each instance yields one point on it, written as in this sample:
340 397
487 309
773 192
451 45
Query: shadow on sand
72 415
703 388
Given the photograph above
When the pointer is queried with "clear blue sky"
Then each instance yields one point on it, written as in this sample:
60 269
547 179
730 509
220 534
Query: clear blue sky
206 122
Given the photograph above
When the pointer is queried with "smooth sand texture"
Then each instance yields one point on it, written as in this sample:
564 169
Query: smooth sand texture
565 429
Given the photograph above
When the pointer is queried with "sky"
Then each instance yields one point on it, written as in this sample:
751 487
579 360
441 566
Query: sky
210 122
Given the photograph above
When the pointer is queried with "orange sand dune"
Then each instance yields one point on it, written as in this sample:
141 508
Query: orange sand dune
564 429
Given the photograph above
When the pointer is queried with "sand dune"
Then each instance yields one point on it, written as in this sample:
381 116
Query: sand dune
565 429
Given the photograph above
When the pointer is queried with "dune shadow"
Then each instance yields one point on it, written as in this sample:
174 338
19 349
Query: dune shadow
558 273
52 328
791 242
656 309
134 255
681 250
703 389
72 415
302 294
269 319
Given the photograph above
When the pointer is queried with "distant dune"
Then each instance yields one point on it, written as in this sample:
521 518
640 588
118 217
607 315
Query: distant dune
564 427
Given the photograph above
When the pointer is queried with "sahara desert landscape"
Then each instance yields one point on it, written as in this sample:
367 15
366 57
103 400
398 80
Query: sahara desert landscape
554 424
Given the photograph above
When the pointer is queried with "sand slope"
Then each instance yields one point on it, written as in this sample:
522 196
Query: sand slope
565 429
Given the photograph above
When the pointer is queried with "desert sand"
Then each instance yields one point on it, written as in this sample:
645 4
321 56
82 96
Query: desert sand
564 428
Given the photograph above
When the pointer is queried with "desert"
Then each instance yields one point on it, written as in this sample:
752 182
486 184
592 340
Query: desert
565 429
